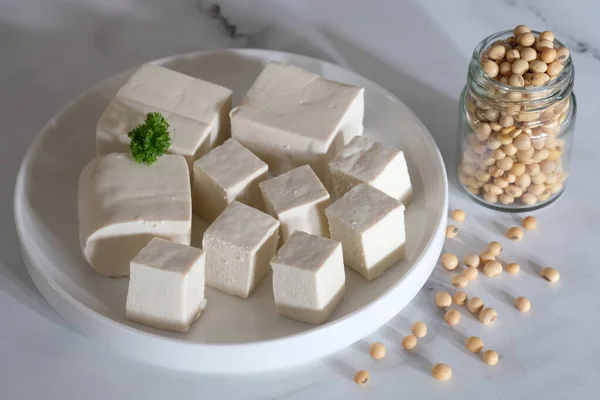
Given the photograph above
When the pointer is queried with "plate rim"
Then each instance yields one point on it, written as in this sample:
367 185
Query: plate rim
432 248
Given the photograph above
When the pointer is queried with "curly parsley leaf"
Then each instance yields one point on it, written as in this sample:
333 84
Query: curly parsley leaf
151 139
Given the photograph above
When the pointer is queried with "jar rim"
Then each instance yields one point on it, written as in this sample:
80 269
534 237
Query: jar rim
556 88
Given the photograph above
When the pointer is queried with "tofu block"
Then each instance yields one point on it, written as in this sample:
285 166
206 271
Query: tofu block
229 172
197 111
308 277
370 226
298 200
166 286
239 246
364 160
291 117
122 205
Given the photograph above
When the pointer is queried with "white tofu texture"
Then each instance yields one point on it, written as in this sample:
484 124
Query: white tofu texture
308 277
370 226
291 117
197 112
166 286
122 205
239 246
364 160
229 172
298 200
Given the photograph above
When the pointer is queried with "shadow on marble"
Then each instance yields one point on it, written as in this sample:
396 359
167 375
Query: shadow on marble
454 335
340 367
392 336
499 294
500 228
536 267
464 244
440 278
417 361
401 324
361 346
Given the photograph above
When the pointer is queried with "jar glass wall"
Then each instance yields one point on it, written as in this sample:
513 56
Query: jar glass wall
515 141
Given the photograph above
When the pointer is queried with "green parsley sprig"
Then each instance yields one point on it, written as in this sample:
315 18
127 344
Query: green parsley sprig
151 139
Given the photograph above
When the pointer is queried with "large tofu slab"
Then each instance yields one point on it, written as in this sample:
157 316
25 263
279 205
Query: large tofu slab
166 285
364 160
239 246
291 117
308 277
197 111
123 204
370 226
298 200
229 172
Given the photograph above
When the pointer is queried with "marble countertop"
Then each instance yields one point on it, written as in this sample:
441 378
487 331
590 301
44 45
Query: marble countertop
54 49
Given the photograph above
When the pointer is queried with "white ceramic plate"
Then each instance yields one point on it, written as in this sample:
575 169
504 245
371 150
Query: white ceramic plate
232 335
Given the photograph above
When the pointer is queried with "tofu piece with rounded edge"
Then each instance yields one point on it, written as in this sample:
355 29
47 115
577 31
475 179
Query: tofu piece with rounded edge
239 246
291 117
166 285
122 205
370 226
308 277
229 172
298 200
364 160
198 111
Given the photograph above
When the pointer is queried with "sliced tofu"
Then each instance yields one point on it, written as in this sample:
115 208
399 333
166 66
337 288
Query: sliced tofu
298 200
122 205
364 160
239 246
229 172
370 226
308 277
197 111
166 285
291 117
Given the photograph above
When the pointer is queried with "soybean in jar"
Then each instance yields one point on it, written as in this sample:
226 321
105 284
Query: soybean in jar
516 126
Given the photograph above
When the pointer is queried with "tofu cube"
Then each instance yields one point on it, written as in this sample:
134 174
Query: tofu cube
166 286
291 117
229 172
239 246
197 112
122 205
370 226
308 277
364 160
298 200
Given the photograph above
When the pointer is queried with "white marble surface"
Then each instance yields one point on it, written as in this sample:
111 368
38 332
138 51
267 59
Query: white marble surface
54 49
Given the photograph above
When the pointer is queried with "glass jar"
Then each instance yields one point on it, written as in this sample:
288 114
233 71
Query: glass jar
515 142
